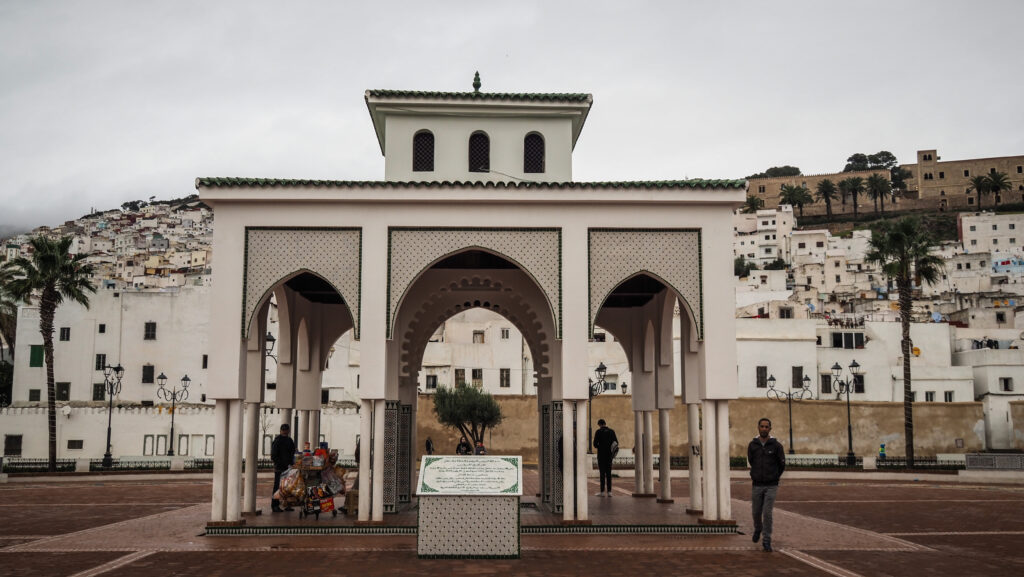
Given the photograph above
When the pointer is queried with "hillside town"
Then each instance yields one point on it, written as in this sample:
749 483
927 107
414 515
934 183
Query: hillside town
807 300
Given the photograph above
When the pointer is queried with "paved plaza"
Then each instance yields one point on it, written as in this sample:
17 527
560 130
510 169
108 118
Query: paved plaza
115 527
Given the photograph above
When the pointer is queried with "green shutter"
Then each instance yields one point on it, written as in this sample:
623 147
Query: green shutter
35 358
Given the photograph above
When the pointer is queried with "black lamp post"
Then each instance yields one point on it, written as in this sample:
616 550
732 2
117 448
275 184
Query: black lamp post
112 384
800 394
595 388
845 387
174 395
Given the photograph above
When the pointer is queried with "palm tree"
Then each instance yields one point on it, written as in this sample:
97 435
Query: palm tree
902 250
796 196
998 182
826 190
56 276
852 186
8 313
753 204
878 188
979 184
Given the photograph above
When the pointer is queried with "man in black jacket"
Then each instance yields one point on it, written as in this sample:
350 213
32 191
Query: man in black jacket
604 438
282 453
767 463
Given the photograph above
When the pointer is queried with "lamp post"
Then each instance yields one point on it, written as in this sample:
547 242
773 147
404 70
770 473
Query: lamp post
174 395
844 387
800 394
595 388
112 385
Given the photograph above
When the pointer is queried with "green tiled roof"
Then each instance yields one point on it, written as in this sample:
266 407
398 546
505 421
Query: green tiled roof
535 96
279 182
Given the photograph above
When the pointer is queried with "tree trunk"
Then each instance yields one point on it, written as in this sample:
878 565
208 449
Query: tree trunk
47 308
828 209
908 395
854 199
883 203
876 203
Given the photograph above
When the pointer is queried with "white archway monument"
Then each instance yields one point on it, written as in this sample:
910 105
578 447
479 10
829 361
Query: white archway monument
359 250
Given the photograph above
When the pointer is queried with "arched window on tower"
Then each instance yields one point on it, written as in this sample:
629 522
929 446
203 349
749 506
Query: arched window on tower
479 152
423 151
533 153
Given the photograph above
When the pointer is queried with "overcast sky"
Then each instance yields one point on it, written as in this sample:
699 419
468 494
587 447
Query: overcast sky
103 102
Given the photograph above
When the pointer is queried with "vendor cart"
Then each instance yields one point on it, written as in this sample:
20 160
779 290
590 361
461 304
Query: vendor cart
319 498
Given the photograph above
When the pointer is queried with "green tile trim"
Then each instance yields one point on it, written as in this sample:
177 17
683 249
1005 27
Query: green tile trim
392 315
700 275
307 530
228 182
629 529
529 96
356 315
523 530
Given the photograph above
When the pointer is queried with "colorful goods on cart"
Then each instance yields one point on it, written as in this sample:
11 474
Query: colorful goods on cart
313 482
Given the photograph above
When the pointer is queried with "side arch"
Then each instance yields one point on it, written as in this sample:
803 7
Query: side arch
275 253
280 283
682 300
673 256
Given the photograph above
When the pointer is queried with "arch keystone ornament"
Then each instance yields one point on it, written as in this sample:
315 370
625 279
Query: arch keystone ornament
674 256
272 254
537 251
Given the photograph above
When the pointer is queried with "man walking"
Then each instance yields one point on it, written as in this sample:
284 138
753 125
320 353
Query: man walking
607 444
767 463
282 453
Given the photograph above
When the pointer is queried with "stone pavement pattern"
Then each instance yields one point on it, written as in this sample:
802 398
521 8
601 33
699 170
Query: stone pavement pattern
846 528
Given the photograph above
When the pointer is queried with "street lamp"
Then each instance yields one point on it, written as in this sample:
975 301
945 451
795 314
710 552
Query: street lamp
595 388
270 346
800 394
844 387
112 385
174 395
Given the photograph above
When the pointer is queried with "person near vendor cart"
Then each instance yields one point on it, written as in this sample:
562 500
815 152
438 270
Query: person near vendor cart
282 452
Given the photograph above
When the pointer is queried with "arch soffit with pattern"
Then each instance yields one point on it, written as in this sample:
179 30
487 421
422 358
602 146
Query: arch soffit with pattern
670 256
544 270
275 255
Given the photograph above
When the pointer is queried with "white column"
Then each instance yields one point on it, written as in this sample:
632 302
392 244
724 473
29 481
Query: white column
365 446
314 428
252 443
220 460
302 435
638 453
286 419
665 468
710 448
235 431
648 453
582 462
724 485
696 491
377 513
568 461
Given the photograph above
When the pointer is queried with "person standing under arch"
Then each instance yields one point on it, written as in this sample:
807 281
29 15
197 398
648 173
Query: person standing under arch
607 444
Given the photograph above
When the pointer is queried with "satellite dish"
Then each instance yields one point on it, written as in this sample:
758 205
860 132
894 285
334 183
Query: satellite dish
66 410
916 351
936 317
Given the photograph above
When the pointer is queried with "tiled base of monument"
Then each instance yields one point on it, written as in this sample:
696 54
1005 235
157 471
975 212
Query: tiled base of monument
458 526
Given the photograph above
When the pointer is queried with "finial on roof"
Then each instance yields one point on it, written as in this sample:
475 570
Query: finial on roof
476 82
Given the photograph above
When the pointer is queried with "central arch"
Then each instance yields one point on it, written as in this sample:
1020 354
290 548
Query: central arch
473 278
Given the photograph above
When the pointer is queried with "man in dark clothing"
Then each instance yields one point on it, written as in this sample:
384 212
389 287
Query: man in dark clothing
463 448
282 453
604 439
767 463
430 446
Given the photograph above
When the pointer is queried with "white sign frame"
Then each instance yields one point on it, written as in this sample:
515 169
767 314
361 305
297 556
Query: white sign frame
479 475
